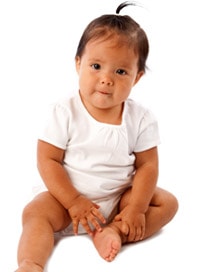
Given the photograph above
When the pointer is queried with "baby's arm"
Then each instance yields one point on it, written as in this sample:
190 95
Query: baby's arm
144 183
55 177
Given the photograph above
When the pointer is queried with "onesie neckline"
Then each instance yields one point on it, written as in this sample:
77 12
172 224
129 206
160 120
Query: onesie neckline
91 118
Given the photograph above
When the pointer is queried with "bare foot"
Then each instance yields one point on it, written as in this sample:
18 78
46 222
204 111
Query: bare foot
108 243
28 266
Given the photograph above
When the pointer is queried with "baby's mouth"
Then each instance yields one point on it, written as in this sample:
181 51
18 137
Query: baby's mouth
104 93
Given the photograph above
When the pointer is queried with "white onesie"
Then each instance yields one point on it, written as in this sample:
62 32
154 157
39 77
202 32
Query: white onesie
99 157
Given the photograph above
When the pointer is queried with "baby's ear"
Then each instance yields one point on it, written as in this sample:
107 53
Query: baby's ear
77 63
139 75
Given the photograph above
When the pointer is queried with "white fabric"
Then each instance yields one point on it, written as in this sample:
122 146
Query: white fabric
99 157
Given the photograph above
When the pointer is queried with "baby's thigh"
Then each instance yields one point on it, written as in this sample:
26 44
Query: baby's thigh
45 207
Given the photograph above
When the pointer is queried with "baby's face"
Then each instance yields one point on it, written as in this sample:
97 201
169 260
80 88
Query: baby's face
107 72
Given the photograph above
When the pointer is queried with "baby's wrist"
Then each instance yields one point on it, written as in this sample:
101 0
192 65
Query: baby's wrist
71 201
138 207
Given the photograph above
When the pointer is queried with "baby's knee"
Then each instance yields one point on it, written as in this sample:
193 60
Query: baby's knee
45 208
35 209
171 204
167 202
30 211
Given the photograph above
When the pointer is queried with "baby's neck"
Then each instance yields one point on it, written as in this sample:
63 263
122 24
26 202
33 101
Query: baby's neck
109 116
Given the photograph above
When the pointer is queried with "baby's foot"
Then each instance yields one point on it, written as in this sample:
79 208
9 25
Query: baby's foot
28 266
108 243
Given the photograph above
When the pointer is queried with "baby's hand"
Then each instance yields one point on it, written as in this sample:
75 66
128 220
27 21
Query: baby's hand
133 223
85 211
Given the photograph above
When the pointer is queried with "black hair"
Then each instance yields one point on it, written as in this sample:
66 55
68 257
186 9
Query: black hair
125 4
124 26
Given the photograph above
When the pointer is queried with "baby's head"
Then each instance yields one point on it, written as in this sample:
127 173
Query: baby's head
129 31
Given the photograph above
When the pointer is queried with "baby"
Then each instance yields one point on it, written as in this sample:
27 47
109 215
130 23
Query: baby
98 153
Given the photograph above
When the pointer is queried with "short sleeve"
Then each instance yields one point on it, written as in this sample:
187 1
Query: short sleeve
55 131
148 135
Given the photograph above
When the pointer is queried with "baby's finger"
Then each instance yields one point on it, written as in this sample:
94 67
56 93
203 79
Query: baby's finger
142 233
96 205
125 228
98 215
75 226
139 234
117 218
84 223
95 224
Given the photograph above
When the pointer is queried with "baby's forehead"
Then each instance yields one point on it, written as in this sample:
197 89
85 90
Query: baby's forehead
113 40
115 51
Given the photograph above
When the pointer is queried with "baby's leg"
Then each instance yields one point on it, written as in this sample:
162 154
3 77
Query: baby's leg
41 218
161 210
108 242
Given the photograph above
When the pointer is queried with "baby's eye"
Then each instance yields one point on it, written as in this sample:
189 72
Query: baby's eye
96 66
121 72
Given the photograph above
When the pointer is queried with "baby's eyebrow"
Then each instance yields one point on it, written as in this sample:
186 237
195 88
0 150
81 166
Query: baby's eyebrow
95 60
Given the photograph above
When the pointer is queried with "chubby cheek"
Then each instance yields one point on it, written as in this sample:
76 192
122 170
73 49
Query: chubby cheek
86 84
125 89
125 95
120 95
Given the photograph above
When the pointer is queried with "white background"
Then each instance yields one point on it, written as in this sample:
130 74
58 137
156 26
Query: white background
38 41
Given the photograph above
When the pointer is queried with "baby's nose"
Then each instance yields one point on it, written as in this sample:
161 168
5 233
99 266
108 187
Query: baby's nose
106 79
